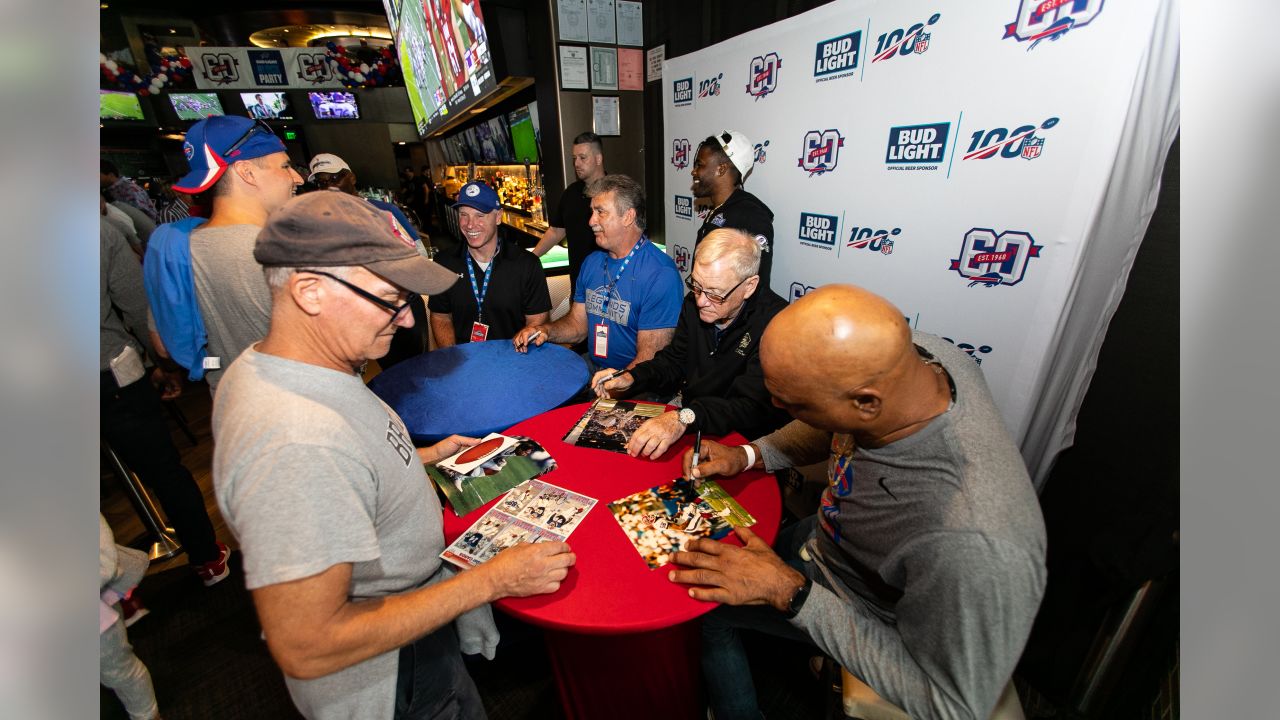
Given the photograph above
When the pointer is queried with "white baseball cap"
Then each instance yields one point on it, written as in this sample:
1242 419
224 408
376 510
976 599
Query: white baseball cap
739 149
326 163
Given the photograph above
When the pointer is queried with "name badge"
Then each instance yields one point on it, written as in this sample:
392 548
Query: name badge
602 341
479 332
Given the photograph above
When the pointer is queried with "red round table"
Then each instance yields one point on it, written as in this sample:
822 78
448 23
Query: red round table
617 632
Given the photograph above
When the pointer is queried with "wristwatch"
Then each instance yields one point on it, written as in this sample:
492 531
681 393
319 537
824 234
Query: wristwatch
686 416
797 600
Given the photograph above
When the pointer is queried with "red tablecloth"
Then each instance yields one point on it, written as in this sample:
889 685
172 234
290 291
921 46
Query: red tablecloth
612 592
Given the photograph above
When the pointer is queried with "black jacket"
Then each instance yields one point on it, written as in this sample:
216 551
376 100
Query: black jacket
744 211
721 381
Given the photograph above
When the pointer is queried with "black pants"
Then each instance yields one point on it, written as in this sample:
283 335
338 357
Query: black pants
133 423
432 682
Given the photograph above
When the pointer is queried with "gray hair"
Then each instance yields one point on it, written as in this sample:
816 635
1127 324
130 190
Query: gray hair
278 277
628 192
739 247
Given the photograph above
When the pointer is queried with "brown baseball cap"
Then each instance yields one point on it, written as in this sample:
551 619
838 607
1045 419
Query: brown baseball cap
334 229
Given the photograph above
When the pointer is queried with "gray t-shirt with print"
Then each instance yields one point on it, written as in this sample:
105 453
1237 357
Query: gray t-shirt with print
234 299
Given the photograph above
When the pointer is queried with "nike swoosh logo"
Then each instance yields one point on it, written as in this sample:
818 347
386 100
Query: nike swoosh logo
886 489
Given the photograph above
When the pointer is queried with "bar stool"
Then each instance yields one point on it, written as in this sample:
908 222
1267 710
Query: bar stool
163 545
860 701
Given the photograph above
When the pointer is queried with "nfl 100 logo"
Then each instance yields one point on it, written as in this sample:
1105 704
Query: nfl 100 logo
762 76
680 152
988 258
682 91
1020 141
1040 20
821 151
684 207
977 352
904 42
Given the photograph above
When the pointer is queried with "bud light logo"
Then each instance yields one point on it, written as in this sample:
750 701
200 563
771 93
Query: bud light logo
682 258
837 57
877 241
710 87
682 91
798 290
820 152
759 151
988 259
762 77
974 351
1040 20
684 207
680 153
818 230
903 42
917 147
1020 142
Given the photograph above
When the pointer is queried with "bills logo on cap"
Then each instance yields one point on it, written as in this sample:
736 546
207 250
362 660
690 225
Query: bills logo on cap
821 150
680 151
398 230
1040 20
473 190
762 75
188 150
989 259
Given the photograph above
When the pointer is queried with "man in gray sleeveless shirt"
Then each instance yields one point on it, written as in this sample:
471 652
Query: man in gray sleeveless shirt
924 567
340 528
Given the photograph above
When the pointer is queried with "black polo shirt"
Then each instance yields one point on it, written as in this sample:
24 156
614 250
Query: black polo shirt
744 211
518 287
574 215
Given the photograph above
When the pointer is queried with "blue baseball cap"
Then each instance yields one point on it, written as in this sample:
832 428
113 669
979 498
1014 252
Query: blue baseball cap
214 143
479 196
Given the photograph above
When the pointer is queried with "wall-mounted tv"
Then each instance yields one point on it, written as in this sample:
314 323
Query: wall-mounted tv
444 55
335 105
113 105
195 106
523 137
267 105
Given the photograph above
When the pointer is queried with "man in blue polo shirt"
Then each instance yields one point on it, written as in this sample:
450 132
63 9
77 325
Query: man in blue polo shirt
627 300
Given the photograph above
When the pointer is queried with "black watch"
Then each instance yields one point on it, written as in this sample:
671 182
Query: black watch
797 600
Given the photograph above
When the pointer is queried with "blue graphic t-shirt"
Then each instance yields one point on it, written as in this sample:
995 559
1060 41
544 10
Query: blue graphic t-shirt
648 296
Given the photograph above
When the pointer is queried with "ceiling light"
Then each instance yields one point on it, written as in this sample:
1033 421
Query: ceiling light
400 143
172 31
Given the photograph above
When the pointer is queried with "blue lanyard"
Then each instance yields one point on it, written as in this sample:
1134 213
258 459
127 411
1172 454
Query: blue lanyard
479 292
613 282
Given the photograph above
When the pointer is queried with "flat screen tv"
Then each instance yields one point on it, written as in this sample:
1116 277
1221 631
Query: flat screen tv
113 105
267 105
444 55
523 138
336 105
195 106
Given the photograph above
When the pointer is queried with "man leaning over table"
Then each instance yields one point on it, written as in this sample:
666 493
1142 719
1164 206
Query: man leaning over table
627 300
340 529
924 567
714 359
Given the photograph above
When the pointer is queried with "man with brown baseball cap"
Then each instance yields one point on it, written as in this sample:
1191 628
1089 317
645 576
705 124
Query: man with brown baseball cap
318 479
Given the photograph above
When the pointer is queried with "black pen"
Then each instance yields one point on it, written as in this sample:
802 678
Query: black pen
697 450
613 375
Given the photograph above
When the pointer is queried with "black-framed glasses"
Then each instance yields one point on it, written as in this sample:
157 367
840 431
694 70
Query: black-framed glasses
258 127
698 291
397 311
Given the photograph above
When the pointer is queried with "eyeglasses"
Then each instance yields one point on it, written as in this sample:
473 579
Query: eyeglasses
258 127
717 299
397 311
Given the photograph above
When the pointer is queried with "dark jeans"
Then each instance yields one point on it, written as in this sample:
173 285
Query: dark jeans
433 684
725 670
133 423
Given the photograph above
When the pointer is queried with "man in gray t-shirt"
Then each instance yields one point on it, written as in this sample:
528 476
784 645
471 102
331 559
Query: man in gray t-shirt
318 479
924 567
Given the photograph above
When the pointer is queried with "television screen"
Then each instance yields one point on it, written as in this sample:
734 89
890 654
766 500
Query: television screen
334 105
113 105
501 139
195 106
267 105
523 139
444 55
472 140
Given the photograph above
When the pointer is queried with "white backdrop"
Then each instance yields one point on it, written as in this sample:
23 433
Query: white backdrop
988 167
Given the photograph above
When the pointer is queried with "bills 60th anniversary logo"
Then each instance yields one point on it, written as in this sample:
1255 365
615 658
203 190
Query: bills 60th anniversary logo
821 151
682 257
1040 20
1019 142
762 76
681 150
221 68
817 230
837 57
902 42
866 238
988 258
798 290
684 207
682 92
917 147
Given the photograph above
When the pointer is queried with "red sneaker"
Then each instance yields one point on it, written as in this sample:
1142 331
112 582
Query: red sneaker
131 609
215 571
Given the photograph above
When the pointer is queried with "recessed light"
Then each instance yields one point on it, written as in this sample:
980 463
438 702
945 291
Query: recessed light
172 31
400 143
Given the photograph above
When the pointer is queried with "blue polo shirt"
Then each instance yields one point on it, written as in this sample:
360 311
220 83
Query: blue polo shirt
647 297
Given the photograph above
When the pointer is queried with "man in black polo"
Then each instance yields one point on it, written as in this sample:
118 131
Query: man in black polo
719 170
502 287
572 217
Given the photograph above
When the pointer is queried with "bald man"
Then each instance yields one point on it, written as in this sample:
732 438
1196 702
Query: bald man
924 567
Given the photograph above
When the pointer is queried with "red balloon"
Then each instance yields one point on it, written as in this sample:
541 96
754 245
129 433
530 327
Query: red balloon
186 62
341 50
144 92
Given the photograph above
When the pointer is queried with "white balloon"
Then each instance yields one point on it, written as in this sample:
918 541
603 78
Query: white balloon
162 78
111 65
101 58
357 77
364 68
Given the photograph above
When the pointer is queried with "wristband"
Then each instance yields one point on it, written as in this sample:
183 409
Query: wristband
751 455
797 600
